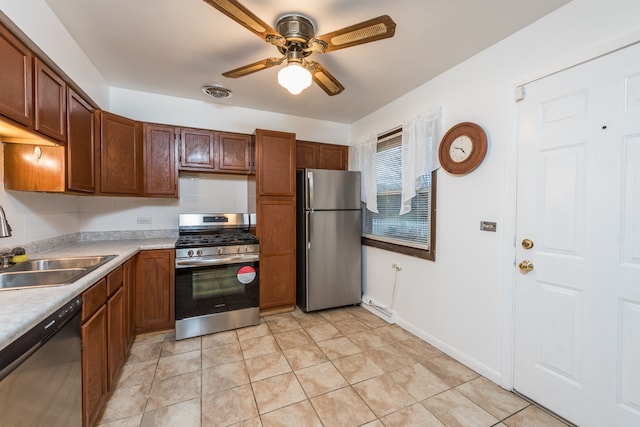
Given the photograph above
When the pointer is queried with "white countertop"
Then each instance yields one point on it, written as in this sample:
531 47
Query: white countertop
22 309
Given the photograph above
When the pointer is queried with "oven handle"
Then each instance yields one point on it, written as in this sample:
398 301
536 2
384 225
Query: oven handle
237 259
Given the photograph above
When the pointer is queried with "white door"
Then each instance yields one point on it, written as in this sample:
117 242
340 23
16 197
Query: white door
577 311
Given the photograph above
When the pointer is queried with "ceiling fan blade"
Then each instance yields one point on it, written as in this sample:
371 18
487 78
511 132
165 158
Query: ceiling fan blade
325 80
246 18
252 68
374 29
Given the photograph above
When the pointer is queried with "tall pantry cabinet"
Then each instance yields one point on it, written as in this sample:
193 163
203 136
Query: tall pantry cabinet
275 190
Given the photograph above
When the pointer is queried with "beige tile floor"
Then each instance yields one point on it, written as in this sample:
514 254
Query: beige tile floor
342 367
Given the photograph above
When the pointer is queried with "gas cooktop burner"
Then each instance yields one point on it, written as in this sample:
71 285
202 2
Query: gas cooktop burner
225 238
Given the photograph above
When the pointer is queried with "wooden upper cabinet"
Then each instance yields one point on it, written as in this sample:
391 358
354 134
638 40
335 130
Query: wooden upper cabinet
81 147
306 154
16 79
50 102
160 161
318 155
120 159
333 157
234 152
197 150
276 160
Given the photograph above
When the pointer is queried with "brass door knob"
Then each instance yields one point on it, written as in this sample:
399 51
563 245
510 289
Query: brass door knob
526 266
527 243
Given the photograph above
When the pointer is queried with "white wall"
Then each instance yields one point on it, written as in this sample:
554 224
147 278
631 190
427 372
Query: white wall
462 301
156 108
38 22
37 216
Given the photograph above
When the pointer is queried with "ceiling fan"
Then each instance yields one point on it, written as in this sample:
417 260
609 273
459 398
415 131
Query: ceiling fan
295 39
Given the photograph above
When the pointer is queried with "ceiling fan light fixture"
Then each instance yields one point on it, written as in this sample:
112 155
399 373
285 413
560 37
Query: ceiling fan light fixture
294 77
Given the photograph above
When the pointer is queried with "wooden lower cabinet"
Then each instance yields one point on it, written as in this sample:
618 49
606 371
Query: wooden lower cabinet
155 290
129 286
115 336
94 352
105 342
276 228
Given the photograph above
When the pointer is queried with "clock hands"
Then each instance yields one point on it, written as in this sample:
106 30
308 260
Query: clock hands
461 149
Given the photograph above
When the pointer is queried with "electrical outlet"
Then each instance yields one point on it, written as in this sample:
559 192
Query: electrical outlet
144 220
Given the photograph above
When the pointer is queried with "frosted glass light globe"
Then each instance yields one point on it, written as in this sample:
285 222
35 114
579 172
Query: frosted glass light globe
295 78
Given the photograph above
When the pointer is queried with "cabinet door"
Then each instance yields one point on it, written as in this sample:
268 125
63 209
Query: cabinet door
333 157
120 155
234 152
155 290
94 365
197 150
16 79
160 165
115 337
306 155
50 102
128 284
276 157
276 228
81 147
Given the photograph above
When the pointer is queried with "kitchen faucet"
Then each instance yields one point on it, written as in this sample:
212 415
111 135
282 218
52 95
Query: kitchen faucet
5 228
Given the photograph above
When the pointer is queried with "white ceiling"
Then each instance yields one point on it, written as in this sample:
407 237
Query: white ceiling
173 47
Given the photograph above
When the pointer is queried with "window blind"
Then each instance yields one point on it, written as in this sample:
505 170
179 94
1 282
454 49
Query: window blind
411 229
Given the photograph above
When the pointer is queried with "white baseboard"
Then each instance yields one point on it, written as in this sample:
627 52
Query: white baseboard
455 353
389 315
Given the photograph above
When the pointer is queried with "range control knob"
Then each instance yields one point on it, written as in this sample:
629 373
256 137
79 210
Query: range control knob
238 249
199 252
190 252
220 250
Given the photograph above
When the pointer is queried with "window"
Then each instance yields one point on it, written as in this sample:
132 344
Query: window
411 233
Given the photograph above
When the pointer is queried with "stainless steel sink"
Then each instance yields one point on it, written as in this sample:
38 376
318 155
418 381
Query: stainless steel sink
50 271
61 263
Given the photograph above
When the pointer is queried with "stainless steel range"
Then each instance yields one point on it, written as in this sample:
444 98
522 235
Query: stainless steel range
217 274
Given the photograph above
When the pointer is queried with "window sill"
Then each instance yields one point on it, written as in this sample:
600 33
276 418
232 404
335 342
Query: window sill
405 250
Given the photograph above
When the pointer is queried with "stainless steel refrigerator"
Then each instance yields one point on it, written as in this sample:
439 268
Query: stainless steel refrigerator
328 225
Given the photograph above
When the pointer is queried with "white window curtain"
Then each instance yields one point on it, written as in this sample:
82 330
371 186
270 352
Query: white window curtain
420 138
362 157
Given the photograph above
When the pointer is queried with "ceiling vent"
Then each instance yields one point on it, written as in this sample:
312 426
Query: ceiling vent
217 91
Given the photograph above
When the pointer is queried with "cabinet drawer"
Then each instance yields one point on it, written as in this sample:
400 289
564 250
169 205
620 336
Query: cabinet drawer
94 298
114 281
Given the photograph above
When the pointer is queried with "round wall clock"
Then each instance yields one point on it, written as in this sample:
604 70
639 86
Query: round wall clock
463 148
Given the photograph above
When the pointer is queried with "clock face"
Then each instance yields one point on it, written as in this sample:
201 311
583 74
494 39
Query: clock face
461 148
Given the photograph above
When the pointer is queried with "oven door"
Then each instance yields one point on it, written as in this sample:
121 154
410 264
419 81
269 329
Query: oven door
214 289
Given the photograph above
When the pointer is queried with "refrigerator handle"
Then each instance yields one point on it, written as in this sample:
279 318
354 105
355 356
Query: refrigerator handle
308 230
309 190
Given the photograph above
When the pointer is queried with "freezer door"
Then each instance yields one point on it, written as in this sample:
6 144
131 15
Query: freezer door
334 276
331 189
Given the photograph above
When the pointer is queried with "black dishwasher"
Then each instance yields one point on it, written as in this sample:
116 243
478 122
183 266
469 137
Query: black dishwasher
41 373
